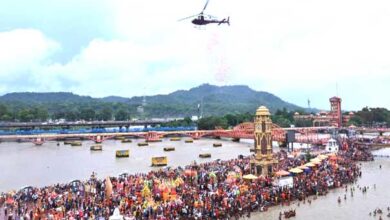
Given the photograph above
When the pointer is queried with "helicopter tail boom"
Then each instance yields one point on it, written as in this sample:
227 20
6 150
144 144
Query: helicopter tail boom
227 21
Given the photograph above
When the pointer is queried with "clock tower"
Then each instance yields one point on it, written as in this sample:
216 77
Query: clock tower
263 162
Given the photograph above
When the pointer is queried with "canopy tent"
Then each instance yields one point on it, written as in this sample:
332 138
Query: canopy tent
315 160
285 181
310 165
249 177
322 157
295 170
303 167
282 173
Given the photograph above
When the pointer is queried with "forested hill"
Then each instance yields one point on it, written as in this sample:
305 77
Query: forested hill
47 97
217 100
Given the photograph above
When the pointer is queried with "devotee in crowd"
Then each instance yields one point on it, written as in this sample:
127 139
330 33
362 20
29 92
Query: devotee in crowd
213 190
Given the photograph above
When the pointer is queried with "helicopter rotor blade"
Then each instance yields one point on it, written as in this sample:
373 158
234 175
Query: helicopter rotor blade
205 6
187 17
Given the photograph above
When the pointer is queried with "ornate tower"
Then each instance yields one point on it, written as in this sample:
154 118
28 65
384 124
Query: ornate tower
335 111
263 162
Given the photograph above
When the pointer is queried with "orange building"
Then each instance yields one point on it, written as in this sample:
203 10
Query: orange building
332 118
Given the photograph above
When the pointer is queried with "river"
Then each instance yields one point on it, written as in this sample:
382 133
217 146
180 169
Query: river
24 164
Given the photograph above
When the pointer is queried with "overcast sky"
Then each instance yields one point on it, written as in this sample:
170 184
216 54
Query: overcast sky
295 49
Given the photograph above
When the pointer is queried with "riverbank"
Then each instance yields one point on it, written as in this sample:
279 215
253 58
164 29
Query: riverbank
356 206
208 190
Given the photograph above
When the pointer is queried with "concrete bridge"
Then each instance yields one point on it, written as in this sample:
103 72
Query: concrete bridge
241 131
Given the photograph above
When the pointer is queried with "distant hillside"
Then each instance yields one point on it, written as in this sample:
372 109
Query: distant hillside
216 100
219 100
35 97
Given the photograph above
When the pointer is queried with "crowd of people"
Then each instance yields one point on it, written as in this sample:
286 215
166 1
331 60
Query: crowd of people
213 190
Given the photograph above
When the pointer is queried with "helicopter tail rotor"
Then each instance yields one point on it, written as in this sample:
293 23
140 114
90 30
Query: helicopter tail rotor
227 21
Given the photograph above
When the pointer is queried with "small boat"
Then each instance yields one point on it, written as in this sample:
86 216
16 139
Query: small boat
96 147
75 143
119 138
126 140
205 155
159 161
143 144
68 142
189 141
252 150
169 148
122 153
217 145
175 139
38 143
154 140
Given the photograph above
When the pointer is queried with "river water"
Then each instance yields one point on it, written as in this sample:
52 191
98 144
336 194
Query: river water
23 164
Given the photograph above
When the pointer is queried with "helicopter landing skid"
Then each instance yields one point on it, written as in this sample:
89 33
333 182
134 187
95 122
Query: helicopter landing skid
200 27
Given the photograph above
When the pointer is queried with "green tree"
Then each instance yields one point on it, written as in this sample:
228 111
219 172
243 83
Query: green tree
39 113
231 119
121 115
5 115
212 122
87 114
281 121
303 123
25 115
187 121
105 114
355 120
72 116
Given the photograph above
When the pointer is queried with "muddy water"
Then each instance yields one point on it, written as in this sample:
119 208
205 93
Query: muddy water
23 164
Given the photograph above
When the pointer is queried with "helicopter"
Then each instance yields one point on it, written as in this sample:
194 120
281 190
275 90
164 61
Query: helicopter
203 19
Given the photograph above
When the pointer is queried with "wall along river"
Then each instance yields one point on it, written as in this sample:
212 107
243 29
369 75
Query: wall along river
23 164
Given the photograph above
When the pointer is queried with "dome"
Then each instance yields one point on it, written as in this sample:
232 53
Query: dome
263 111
